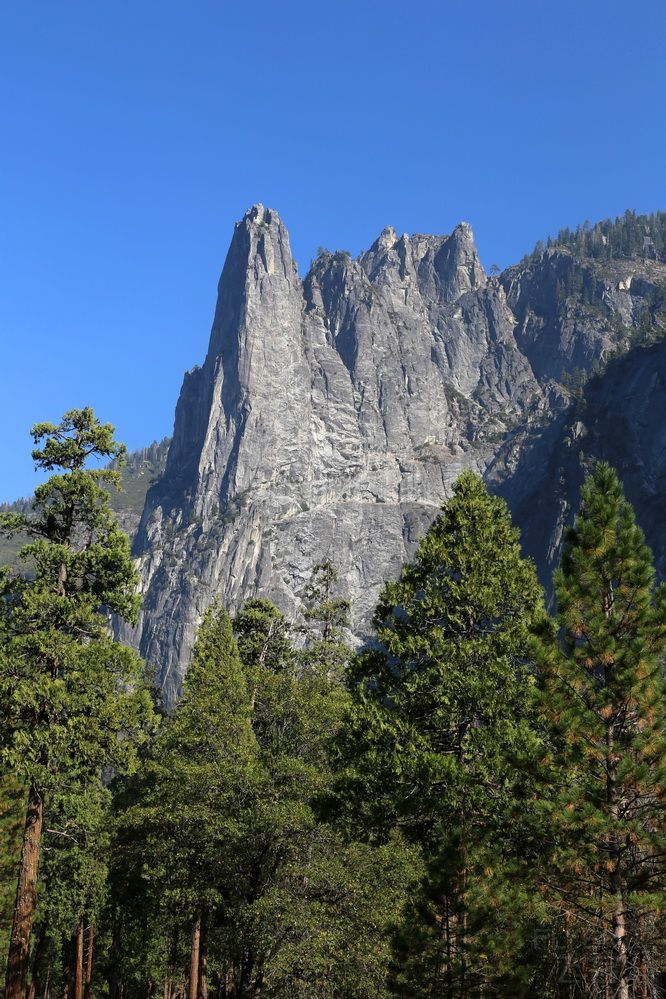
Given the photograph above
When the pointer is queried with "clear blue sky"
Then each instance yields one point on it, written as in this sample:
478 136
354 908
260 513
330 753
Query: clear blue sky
135 134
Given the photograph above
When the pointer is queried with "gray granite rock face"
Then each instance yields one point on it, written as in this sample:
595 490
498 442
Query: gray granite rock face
573 314
332 414
621 419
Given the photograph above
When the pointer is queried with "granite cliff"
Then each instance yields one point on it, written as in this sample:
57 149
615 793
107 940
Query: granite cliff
332 413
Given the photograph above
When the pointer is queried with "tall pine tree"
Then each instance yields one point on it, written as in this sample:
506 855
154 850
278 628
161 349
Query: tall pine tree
442 711
605 780
188 811
287 905
67 690
318 906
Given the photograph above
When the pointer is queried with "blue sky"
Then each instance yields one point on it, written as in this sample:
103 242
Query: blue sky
135 134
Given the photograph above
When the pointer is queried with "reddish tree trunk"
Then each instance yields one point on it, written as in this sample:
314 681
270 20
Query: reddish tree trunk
89 961
194 960
24 909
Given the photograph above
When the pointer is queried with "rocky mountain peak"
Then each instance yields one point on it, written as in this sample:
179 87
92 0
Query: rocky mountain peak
387 238
331 415
261 243
436 268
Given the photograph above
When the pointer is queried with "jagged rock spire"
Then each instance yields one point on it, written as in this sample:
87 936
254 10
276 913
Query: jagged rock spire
331 415
326 421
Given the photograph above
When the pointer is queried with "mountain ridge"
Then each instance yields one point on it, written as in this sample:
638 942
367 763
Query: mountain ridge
332 413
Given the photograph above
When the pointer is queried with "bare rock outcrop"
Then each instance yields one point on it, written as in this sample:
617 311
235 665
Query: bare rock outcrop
332 414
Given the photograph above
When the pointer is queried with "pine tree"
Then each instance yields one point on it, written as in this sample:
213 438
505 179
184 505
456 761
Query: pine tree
72 887
327 618
442 710
193 796
67 690
604 697
12 809
314 917
225 809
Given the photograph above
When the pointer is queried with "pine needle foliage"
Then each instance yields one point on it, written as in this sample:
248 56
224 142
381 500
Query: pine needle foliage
220 828
72 700
66 688
442 697
605 701
442 714
12 808
201 774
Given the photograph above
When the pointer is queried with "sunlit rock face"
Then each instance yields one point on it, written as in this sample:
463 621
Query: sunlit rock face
332 415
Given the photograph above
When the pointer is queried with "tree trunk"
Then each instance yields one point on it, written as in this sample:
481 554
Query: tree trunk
89 960
463 941
194 960
78 961
203 969
24 908
620 964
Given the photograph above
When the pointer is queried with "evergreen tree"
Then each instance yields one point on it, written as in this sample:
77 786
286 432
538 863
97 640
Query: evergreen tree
604 697
287 905
442 713
327 618
506 923
67 690
620 238
316 912
72 888
12 809
194 794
